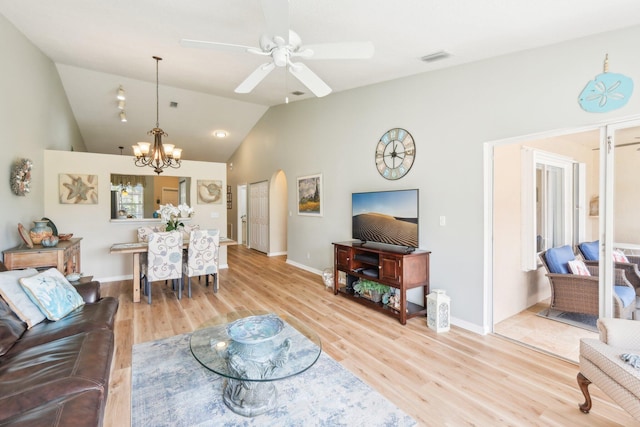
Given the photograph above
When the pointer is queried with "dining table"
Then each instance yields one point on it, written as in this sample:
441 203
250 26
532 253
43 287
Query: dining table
136 248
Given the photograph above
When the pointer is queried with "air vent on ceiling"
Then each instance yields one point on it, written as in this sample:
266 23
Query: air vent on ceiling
173 104
297 93
436 56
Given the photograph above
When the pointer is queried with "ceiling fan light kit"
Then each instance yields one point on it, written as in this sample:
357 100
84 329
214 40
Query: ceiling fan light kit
158 156
282 44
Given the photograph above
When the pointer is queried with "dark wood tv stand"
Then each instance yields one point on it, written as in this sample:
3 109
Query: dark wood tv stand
394 268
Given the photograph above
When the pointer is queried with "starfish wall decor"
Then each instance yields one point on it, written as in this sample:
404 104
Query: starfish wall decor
78 189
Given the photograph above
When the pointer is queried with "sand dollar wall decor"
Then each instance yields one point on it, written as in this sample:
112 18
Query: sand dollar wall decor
78 189
21 177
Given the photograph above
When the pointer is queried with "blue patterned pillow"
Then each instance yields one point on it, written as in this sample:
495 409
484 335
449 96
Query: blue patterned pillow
52 293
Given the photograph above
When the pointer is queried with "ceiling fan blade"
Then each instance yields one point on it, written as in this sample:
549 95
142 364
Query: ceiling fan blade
344 50
276 15
309 79
254 78
226 47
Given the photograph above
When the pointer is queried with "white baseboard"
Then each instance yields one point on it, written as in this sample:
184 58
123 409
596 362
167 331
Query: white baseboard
305 267
277 253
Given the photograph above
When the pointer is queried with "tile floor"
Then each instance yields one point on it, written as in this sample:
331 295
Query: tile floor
544 334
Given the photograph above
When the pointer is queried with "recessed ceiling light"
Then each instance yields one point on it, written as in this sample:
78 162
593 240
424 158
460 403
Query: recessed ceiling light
220 133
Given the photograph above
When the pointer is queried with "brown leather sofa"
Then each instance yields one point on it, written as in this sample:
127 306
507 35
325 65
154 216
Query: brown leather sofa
57 373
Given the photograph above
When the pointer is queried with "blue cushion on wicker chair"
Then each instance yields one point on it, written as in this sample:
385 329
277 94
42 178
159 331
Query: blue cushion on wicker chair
590 250
626 294
558 258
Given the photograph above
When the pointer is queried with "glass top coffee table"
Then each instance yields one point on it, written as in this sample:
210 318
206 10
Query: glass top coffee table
252 349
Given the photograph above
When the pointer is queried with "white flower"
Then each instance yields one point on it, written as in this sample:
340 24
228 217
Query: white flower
168 212
185 210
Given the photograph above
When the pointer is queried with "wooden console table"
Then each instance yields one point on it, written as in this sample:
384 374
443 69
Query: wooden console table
398 270
65 256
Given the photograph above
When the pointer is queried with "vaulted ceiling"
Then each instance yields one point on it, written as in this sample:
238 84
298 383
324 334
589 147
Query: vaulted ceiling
101 45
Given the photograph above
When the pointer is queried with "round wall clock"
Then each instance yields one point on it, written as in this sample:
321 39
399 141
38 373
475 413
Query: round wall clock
395 153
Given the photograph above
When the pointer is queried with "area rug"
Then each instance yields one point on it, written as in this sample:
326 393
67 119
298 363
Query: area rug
580 320
171 388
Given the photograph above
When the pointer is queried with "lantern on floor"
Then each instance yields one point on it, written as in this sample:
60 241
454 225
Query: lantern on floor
438 313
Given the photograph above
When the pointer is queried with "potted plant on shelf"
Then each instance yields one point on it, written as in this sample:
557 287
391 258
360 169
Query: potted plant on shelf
370 289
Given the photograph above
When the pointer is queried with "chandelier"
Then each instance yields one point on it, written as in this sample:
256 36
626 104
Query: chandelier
158 156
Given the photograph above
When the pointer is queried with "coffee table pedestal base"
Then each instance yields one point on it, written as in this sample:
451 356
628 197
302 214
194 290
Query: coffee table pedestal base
249 398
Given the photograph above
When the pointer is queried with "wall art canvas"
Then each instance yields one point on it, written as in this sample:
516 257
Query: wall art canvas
209 192
77 189
310 195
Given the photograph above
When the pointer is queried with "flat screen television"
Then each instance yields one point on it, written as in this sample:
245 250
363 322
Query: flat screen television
389 217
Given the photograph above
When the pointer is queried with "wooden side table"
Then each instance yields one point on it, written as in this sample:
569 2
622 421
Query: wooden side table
65 256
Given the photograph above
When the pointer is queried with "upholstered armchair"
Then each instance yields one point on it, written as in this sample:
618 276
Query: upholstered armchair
602 363
579 293
202 257
629 263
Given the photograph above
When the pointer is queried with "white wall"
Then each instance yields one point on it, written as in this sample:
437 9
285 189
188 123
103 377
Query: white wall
450 113
34 115
93 223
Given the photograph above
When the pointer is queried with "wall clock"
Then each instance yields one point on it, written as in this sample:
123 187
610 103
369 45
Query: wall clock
395 153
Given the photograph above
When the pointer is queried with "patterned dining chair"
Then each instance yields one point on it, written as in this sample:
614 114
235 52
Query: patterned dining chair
202 258
164 260
143 236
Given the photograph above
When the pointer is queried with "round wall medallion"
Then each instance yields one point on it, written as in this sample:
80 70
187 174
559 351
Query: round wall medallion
21 177
395 153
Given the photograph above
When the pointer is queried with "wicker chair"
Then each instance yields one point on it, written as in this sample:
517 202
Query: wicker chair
600 363
590 251
580 294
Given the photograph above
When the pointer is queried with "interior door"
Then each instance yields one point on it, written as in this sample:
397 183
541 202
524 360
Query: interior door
259 216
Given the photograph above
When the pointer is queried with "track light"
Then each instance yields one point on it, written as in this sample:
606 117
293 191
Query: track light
121 105
123 116
120 95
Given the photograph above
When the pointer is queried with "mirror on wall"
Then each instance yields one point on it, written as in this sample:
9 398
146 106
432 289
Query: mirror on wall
139 196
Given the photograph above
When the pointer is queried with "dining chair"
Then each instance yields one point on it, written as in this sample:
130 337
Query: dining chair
202 258
143 236
164 260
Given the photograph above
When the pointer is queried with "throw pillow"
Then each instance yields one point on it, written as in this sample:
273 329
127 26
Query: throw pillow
16 297
619 256
578 267
52 293
631 359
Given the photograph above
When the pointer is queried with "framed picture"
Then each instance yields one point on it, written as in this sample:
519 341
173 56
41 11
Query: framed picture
310 195
209 192
76 189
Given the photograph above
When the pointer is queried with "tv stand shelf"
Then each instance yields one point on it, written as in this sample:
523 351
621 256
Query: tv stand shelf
399 270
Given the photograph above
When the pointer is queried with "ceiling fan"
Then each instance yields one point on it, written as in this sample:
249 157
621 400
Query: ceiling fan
283 45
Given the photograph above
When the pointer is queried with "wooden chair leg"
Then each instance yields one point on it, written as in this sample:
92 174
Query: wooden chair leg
215 283
584 382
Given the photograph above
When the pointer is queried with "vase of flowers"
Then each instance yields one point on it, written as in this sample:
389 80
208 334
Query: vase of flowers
173 215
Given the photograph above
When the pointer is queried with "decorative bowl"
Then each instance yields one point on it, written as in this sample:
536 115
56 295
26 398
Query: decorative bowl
255 329
72 277
66 236
49 241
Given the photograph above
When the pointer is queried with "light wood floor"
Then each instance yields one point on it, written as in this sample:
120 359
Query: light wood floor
452 379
